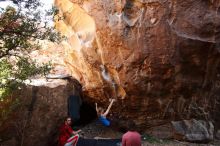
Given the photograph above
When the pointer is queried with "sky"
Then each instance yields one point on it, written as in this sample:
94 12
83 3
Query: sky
47 4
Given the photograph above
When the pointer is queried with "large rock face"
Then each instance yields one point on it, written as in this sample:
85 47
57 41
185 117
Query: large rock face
159 58
40 111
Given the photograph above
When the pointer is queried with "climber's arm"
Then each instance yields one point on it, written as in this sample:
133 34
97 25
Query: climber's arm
109 107
96 107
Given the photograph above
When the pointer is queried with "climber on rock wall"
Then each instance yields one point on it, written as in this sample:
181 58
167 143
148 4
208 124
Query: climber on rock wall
103 114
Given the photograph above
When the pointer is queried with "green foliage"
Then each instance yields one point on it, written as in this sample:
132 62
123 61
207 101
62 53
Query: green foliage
21 28
5 74
12 76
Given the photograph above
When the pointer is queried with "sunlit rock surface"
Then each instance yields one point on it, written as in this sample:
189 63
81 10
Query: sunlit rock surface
159 58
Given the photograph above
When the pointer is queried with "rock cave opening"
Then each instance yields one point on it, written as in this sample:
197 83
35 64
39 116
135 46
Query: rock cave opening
87 114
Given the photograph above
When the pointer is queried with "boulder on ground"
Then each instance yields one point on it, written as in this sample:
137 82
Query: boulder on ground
41 109
162 131
193 130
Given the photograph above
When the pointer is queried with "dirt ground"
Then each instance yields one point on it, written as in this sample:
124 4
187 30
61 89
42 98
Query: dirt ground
97 131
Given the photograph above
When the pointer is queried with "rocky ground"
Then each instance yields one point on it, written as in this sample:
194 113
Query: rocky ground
97 131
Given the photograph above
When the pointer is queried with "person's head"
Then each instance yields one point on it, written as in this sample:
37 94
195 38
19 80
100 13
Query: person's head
68 121
100 111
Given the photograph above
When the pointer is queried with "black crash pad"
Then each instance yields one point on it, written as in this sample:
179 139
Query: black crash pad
98 142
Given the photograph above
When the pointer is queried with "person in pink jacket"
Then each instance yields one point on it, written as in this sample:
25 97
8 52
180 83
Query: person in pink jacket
131 137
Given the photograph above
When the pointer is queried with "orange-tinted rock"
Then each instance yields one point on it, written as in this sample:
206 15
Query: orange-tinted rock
160 57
